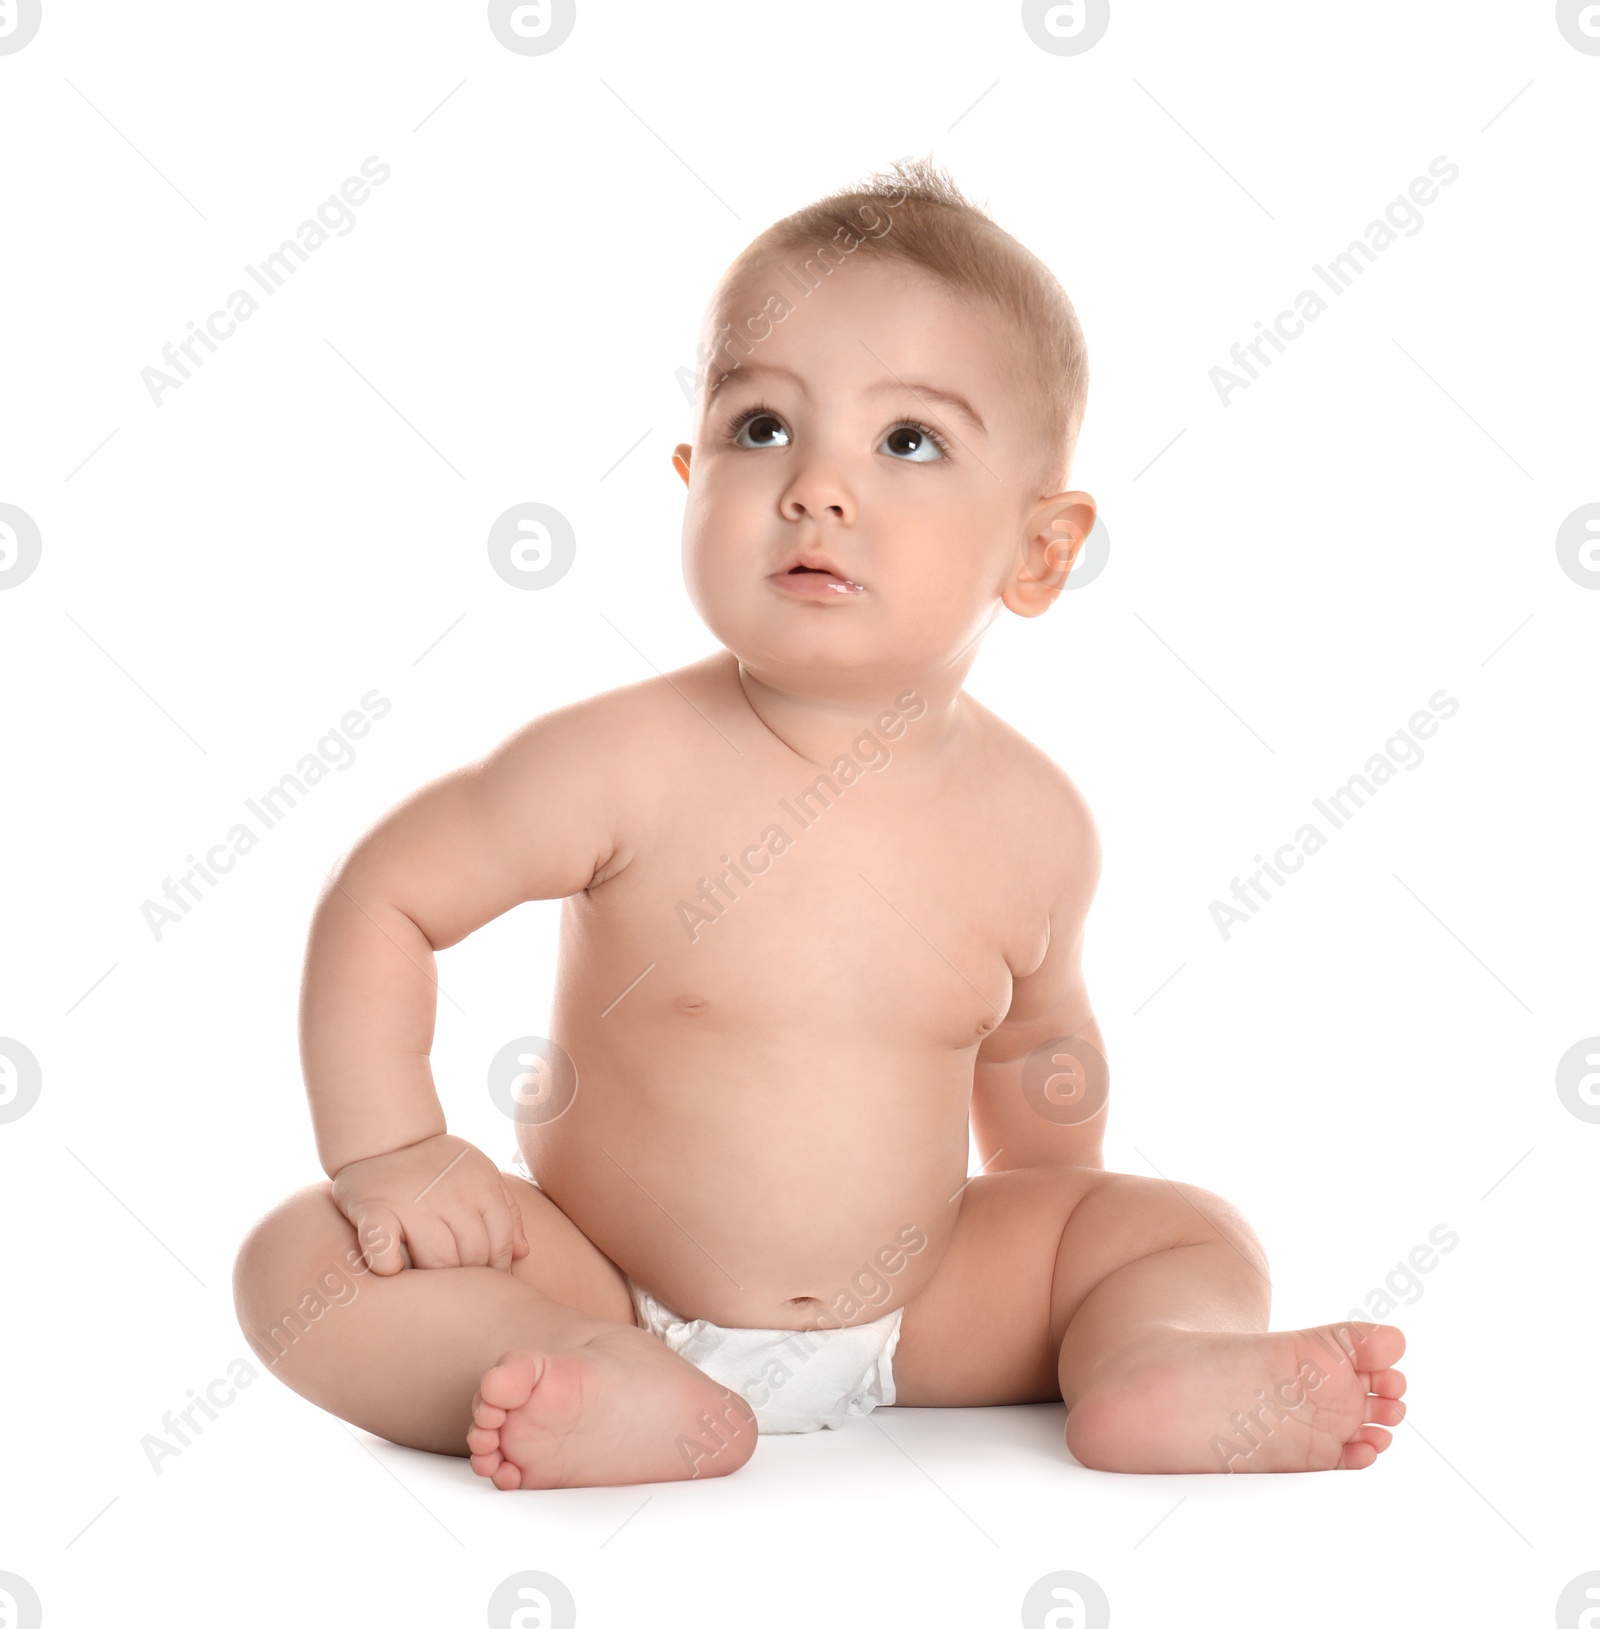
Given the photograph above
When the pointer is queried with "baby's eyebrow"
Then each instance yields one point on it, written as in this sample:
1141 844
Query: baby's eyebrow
949 398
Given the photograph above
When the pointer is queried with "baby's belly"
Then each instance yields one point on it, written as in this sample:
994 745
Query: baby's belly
764 1185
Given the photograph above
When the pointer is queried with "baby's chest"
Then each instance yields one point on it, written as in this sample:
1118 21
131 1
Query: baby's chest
879 917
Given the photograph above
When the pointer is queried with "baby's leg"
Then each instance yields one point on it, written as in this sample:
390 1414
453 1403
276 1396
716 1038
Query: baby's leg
540 1373
1143 1304
1166 1366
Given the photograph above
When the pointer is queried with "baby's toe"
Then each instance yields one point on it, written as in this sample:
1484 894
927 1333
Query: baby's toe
510 1383
1388 1383
1376 1346
1385 1410
483 1440
485 1462
1364 1447
486 1414
508 1478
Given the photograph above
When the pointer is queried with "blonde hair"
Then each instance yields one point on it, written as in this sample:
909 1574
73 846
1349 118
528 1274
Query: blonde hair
914 213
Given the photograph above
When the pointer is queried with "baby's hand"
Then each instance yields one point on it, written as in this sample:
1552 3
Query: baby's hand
438 1203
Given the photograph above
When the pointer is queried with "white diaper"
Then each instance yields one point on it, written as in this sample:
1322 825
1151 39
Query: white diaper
794 1379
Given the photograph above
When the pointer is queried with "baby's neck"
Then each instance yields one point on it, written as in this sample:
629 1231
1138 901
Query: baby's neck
919 717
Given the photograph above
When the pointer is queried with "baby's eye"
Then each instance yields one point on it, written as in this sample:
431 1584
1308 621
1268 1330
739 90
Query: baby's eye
916 442
762 426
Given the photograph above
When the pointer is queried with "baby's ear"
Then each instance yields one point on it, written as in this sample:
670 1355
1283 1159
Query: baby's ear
680 460
1050 545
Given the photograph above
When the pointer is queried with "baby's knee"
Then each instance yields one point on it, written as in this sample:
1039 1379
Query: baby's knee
299 1260
1207 1217
1159 1213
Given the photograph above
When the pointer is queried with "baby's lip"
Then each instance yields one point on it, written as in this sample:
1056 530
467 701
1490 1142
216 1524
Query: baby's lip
815 585
803 563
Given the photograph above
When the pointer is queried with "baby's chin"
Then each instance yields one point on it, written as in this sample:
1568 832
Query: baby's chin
833 663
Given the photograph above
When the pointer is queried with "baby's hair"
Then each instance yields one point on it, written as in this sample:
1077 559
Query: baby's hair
914 213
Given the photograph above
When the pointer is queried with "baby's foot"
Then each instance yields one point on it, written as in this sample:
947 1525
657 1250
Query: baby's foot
619 1409
1300 1400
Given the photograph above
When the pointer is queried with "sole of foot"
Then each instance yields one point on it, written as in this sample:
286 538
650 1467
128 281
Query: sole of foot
1188 1401
620 1409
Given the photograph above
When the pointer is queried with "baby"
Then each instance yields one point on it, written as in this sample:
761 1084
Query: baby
822 911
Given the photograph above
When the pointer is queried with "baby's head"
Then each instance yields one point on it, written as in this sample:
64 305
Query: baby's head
891 387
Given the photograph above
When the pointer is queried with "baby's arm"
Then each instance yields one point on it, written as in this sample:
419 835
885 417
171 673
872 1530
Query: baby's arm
1049 1003
533 820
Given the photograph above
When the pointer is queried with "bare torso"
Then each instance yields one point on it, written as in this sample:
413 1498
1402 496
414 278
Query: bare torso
771 1114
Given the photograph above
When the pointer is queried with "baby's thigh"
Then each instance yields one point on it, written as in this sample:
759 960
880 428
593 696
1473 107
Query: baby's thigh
1028 1248
564 1262
305 1246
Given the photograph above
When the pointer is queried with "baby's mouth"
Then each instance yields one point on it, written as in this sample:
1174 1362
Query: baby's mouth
814 582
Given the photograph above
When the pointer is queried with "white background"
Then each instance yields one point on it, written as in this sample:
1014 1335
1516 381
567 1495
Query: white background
1290 579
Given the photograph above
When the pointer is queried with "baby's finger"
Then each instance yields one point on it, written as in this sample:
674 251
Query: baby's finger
431 1242
472 1238
497 1222
378 1231
520 1245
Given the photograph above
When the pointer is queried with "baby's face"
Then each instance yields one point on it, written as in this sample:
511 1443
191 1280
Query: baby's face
840 437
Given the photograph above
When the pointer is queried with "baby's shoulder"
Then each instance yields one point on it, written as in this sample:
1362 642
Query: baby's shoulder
1027 779
636 719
